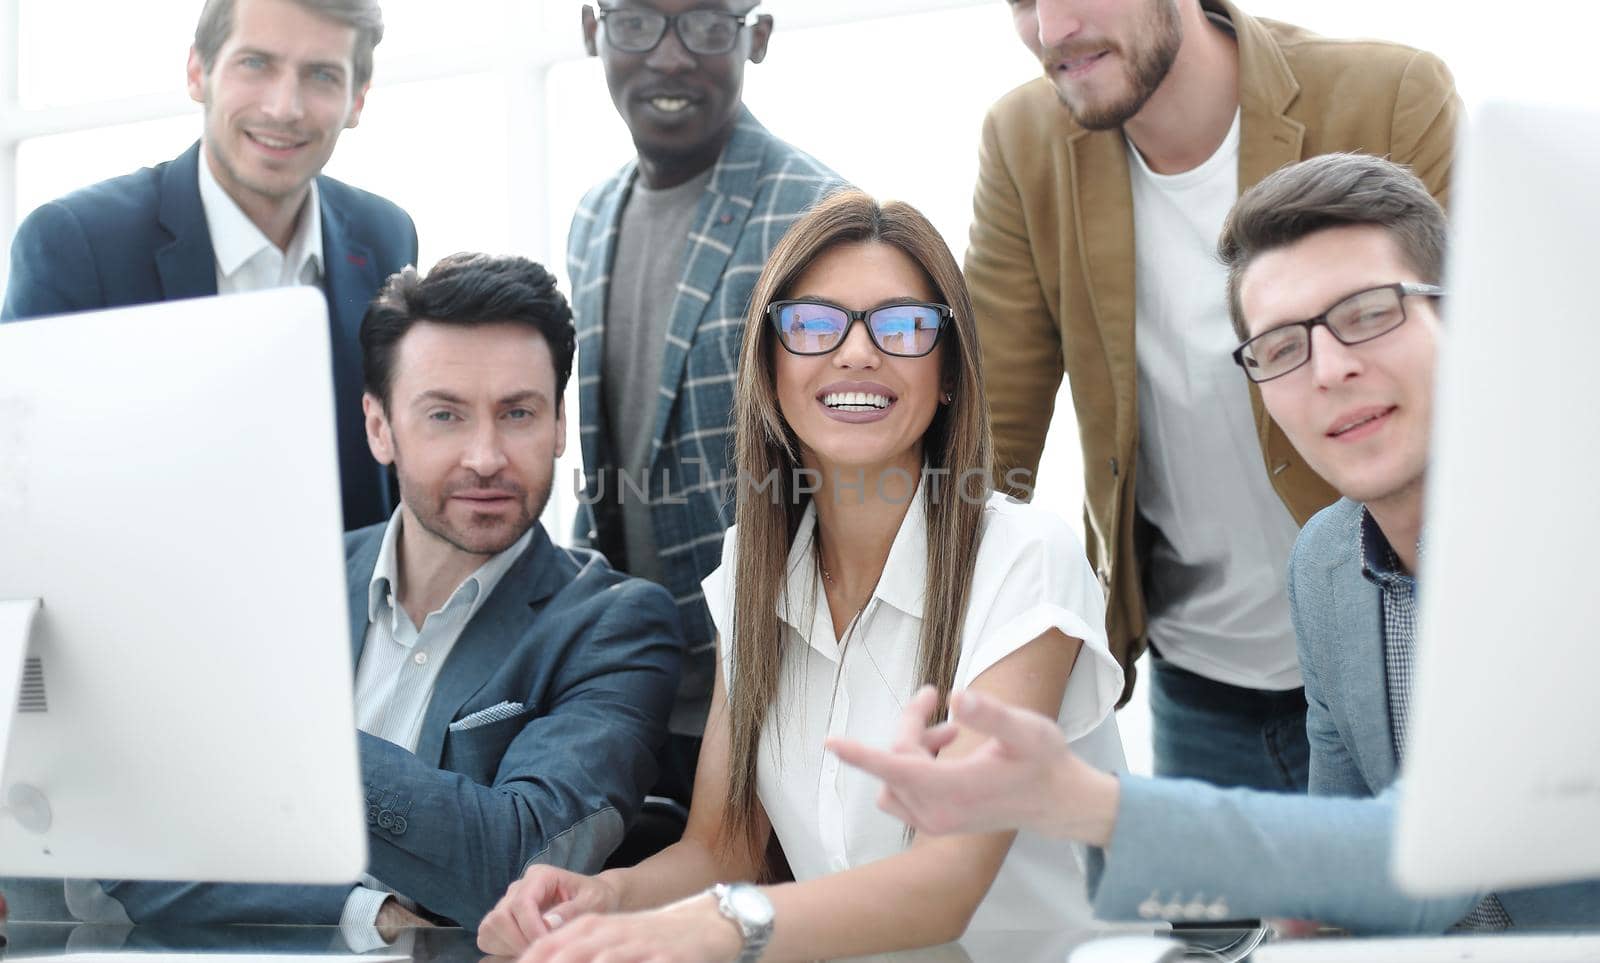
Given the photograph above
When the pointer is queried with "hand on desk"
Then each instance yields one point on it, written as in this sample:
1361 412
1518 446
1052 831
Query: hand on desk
542 900
392 918
688 931
1023 777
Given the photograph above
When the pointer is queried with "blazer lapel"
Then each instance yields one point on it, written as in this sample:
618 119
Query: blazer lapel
502 623
1102 186
358 584
1268 137
350 276
1358 631
188 265
1268 140
589 312
724 209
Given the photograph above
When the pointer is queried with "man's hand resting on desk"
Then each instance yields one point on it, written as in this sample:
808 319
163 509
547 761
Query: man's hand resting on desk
1023 777
392 918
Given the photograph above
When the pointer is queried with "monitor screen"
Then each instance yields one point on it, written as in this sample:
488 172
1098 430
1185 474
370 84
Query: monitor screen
169 495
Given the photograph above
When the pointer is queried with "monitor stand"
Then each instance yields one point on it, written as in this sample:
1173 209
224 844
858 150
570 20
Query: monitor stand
24 803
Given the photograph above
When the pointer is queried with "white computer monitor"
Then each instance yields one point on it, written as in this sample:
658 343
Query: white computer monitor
1502 777
169 491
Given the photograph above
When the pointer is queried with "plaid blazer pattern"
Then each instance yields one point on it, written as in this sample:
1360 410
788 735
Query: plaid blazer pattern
759 187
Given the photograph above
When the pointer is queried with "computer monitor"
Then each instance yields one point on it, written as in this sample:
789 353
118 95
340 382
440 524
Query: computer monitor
169 493
1502 777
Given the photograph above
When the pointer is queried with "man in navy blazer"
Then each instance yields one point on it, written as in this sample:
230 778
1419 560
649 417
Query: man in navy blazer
510 695
1333 271
280 79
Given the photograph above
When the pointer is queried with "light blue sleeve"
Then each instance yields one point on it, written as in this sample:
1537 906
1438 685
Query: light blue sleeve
1183 850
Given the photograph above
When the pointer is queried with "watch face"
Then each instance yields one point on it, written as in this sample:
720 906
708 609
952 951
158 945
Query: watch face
751 905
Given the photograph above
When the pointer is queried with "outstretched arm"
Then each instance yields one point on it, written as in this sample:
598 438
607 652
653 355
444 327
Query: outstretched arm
1021 776
1167 848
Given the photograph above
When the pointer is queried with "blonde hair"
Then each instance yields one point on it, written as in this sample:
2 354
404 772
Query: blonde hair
765 447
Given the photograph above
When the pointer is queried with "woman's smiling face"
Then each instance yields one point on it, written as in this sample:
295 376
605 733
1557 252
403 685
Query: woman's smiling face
857 407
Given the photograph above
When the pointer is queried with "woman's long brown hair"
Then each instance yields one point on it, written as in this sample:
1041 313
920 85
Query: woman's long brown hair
956 447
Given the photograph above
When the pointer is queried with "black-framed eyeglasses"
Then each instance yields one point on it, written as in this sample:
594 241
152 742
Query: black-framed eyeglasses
1360 317
705 31
905 329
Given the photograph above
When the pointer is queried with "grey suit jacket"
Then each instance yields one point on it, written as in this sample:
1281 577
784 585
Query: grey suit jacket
1186 850
561 683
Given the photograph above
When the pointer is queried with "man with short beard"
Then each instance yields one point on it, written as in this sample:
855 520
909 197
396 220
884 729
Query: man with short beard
510 695
1101 191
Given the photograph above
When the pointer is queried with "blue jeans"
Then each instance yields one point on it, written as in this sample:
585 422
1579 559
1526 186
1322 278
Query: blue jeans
1227 735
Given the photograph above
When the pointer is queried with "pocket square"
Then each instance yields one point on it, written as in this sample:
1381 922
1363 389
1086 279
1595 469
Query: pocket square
483 717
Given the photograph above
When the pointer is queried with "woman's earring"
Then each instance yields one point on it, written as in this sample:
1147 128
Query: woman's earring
948 397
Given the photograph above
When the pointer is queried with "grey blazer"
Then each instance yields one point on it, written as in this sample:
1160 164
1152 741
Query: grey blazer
1186 850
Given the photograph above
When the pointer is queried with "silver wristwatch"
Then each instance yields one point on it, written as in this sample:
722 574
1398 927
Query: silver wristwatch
746 907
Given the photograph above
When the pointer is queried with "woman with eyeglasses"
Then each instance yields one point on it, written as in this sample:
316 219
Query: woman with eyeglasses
869 557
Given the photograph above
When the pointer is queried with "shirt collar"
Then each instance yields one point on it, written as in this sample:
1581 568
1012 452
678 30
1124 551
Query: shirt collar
235 239
473 591
905 572
1379 563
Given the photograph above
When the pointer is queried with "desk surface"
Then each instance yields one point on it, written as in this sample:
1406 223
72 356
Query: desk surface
33 940
36 940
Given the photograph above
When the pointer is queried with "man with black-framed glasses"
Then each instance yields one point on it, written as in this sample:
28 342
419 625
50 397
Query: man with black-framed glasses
662 257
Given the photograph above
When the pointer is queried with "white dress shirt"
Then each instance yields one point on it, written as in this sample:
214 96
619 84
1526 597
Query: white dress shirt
246 259
1031 576
398 668
1217 590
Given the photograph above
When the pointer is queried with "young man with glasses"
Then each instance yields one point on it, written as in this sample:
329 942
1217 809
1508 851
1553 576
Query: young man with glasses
1331 266
662 258
1101 189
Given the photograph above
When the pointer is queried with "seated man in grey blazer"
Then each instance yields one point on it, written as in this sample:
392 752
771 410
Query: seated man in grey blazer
510 695
1333 271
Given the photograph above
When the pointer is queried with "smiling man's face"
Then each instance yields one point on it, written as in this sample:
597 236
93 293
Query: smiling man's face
1105 57
277 95
680 106
1359 414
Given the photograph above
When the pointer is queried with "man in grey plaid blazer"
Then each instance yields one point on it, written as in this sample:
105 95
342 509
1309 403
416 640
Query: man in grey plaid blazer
684 230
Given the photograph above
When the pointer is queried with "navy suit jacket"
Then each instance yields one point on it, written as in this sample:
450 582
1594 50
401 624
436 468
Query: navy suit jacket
143 237
1184 850
590 655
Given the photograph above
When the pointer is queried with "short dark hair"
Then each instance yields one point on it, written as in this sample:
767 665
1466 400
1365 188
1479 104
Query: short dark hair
216 23
466 289
1331 190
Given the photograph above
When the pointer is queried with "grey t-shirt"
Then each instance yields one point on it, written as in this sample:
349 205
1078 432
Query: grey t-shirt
651 242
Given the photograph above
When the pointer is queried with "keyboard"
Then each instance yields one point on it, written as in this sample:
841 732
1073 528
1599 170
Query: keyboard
1508 948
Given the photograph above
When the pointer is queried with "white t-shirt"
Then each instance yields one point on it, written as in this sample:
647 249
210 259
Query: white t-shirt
1031 576
1217 576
